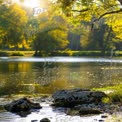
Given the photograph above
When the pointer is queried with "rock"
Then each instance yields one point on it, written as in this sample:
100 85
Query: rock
70 98
34 120
104 116
72 112
47 99
23 113
101 120
86 111
22 106
45 120
82 111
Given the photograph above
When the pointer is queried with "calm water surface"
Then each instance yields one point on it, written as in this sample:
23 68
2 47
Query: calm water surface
45 75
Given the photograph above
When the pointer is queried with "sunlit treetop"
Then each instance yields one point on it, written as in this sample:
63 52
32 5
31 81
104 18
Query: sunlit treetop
98 8
94 11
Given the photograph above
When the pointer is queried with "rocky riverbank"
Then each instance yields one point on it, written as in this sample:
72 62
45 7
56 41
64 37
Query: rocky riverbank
73 103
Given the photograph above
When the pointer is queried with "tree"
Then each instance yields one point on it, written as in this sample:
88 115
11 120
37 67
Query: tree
12 22
93 12
90 5
101 38
77 33
52 34
89 9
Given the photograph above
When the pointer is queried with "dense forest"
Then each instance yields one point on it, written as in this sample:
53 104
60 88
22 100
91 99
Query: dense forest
61 25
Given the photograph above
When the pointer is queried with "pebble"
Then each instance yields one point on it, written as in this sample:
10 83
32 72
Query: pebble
34 120
101 120
45 120
104 116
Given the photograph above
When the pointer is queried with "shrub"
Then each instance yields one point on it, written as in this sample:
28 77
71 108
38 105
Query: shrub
87 53
78 53
17 54
2 53
59 53
116 96
118 53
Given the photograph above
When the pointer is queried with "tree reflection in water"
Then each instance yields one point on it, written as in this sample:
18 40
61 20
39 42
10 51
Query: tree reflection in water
47 77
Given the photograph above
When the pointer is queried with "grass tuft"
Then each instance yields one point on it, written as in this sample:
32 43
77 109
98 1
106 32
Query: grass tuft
115 94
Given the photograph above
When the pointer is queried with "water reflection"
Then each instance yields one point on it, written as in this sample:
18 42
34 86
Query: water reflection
60 59
46 77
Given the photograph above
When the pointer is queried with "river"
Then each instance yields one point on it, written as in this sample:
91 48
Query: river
29 75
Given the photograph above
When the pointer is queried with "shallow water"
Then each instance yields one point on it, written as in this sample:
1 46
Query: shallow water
56 115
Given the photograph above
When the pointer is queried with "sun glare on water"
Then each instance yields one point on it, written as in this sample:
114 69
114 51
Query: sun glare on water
31 3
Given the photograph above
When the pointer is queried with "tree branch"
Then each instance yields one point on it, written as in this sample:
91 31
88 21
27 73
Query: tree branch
107 13
111 12
83 10
120 1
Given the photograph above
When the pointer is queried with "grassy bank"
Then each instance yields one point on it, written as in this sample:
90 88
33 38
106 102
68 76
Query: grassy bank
62 53
81 53
114 92
17 53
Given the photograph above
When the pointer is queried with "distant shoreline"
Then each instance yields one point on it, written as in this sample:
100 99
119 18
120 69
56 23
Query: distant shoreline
62 53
